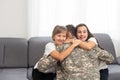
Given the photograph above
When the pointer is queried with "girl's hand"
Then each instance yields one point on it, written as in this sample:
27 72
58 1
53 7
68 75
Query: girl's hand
76 42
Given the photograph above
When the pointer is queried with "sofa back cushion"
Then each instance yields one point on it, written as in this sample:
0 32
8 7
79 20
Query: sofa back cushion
106 43
36 49
13 52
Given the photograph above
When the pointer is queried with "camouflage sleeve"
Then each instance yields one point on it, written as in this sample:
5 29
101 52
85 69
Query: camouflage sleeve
63 47
46 62
60 48
105 55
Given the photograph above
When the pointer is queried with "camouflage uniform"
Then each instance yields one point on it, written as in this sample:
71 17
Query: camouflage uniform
82 64
46 63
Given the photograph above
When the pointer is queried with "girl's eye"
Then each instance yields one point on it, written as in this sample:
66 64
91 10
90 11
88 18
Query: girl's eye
58 35
79 31
64 36
84 31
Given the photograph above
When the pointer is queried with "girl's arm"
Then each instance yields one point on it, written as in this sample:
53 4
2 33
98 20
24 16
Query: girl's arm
88 45
62 55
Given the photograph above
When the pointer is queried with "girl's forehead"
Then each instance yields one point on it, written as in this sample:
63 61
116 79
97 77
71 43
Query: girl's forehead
81 27
63 32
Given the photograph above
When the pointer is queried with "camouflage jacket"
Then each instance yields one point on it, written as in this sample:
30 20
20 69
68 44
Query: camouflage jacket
46 63
82 64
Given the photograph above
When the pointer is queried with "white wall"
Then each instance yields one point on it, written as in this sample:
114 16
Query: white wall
103 17
13 18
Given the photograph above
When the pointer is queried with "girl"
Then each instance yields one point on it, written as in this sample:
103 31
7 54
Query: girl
88 42
58 36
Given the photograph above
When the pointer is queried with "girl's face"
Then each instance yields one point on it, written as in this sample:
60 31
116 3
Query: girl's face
60 38
82 33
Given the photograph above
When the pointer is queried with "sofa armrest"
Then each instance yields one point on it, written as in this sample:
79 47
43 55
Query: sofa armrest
106 43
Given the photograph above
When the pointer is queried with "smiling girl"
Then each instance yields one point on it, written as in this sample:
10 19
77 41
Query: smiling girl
59 37
88 41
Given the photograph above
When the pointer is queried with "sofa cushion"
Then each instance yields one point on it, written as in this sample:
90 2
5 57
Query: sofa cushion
114 72
29 73
13 52
36 49
13 74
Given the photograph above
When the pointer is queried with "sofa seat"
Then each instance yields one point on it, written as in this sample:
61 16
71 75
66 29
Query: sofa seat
13 74
114 72
29 73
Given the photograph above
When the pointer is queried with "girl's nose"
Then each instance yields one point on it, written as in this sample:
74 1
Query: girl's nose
82 33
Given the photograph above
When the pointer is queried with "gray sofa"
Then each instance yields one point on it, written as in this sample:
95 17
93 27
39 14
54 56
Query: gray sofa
19 55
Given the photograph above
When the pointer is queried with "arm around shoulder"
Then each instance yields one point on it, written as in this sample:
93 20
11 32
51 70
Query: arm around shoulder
87 45
62 55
